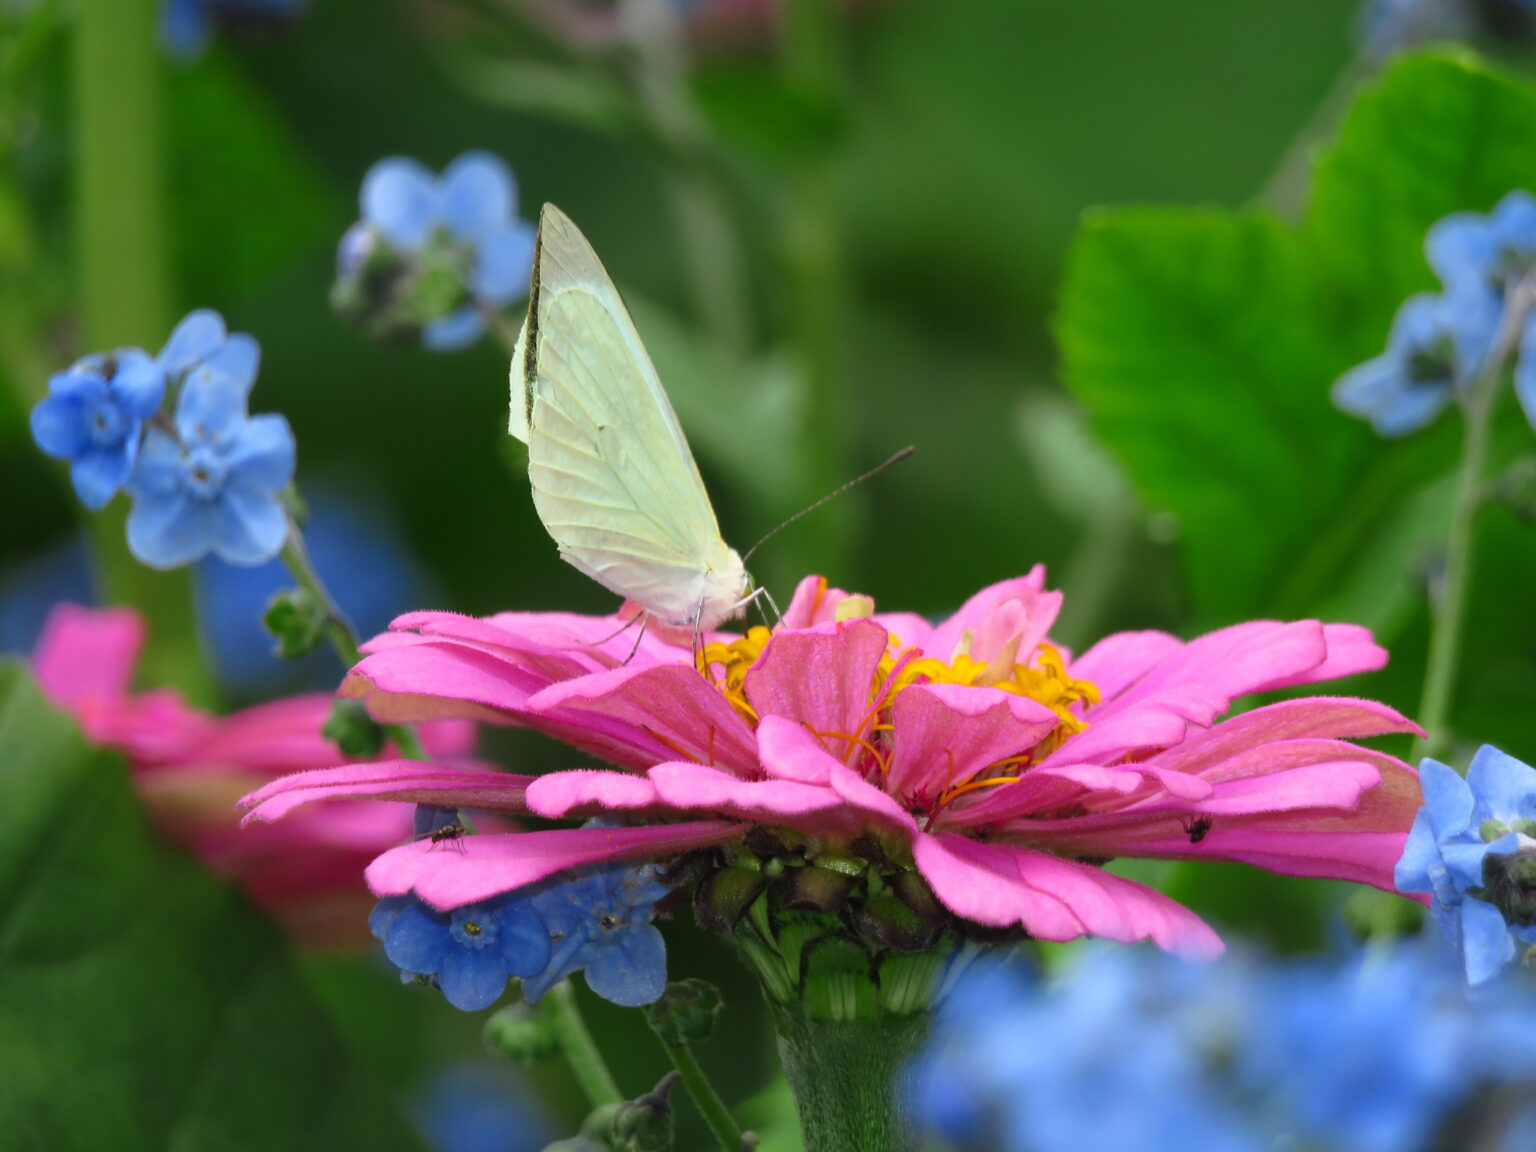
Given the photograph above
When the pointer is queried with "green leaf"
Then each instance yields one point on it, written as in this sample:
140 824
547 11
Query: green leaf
144 1005
1204 344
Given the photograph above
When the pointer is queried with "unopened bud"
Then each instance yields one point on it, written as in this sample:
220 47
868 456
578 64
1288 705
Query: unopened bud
295 617
686 1012
352 730
521 1033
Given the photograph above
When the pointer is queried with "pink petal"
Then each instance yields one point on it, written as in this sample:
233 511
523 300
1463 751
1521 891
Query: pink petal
413 680
589 791
787 751
85 657
1118 661
408 781
821 678
1118 909
947 732
946 640
669 711
981 882
1043 791
491 865
693 787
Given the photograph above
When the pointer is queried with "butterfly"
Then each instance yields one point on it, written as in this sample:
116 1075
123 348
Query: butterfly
613 479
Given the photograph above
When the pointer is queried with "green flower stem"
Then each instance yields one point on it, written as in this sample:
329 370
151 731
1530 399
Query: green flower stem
811 58
716 1115
581 1051
1449 607
124 280
338 630
847 1078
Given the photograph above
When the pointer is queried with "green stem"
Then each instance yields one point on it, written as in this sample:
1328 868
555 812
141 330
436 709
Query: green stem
581 1051
810 59
847 1078
1449 607
716 1115
124 278
338 629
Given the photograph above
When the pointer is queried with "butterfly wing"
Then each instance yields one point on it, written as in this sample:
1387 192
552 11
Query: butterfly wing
613 478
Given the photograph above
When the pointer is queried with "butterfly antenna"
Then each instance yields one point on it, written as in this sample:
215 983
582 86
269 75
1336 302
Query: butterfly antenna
895 458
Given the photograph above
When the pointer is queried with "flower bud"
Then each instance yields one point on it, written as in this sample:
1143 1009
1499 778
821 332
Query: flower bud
296 619
686 1012
352 730
521 1033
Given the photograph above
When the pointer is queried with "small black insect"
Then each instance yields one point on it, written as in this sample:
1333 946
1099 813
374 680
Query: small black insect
1197 828
447 833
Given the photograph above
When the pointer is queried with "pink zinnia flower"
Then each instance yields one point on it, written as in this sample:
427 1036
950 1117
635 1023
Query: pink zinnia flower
1001 768
191 767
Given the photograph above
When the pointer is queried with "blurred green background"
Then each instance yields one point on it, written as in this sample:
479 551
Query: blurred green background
952 149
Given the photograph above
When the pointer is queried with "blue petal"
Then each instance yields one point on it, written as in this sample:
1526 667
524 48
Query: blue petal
166 531
246 529
157 472
138 384
261 456
1420 854
196 338
524 939
384 913
1472 316
400 199
1464 864
1505 788
1380 391
184 27
460 330
99 472
472 979
503 264
59 425
1461 249
567 956
1447 797
632 971
233 364
417 940
211 408
1513 221
1525 373
357 244
478 195
1485 941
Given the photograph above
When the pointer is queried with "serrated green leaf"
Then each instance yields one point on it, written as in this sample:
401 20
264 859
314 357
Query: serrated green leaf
144 1005
1205 344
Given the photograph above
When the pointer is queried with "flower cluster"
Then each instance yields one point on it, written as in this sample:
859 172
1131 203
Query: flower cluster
434 256
1473 849
1378 1053
967 775
595 920
189 767
1440 344
205 478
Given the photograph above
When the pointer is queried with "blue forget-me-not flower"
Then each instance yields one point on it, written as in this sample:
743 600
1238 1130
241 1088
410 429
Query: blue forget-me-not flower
1440 344
1134 1049
1473 849
469 951
95 410
599 921
213 482
432 255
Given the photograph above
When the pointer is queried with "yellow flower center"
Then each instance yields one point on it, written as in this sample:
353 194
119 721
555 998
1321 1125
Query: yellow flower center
1042 677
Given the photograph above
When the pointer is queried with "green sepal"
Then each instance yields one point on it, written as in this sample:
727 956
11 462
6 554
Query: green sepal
686 1011
520 1032
351 729
888 922
818 888
296 618
722 897
838 983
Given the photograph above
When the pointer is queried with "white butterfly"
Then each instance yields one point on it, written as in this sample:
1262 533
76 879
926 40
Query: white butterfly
613 478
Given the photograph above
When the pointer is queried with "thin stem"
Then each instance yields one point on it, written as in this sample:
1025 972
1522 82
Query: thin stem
1449 607
716 1115
124 279
810 60
338 629
581 1051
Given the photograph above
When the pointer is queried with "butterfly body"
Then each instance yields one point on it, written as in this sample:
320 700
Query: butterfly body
612 476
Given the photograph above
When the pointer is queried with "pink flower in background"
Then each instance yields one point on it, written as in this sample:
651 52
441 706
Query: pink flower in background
191 768
1005 770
